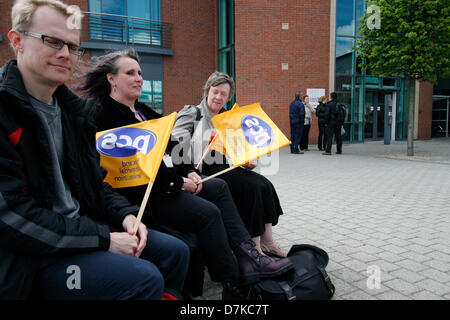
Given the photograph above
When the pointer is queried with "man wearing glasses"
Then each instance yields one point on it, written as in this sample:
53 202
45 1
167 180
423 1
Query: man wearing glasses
64 233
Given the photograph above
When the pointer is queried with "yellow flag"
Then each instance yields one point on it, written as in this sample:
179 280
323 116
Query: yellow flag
248 133
217 142
132 154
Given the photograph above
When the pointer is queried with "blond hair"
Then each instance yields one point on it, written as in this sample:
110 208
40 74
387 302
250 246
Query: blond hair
322 98
23 10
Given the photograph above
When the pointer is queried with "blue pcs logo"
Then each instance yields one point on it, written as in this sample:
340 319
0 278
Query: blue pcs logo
258 133
125 142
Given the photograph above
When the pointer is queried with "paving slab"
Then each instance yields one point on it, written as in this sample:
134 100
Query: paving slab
371 206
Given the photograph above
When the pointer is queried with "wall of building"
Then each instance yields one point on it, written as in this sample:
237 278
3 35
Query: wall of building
6 51
194 43
262 46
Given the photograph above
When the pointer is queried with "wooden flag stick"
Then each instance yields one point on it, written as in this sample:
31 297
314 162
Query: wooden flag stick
143 205
204 156
207 151
216 174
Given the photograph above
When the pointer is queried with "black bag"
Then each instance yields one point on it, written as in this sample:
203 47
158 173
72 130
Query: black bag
341 112
308 280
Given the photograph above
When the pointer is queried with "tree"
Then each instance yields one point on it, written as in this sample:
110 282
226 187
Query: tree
408 38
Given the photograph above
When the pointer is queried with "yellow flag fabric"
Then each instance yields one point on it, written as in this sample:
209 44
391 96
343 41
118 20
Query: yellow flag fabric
248 133
217 142
132 154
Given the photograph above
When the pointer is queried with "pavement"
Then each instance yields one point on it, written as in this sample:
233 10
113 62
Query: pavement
382 217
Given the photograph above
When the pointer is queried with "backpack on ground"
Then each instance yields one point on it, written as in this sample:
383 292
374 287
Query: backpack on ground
308 280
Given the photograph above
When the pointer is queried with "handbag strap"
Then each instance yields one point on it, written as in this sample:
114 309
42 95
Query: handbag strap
287 290
327 280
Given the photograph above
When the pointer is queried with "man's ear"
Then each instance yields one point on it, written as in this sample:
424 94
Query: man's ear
15 40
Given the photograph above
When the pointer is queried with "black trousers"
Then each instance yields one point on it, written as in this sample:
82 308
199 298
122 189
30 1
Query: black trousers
322 144
305 137
334 129
213 216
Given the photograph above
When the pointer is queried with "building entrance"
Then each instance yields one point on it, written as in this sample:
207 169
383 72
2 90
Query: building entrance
377 114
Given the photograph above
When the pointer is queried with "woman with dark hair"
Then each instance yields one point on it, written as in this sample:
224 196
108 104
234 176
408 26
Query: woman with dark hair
255 196
176 200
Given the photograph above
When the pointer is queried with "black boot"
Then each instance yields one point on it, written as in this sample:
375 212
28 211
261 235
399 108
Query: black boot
253 265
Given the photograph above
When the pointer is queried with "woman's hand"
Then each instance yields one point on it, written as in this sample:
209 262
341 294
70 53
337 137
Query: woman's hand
189 185
195 178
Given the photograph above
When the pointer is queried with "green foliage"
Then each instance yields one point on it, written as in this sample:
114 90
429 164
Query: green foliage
413 39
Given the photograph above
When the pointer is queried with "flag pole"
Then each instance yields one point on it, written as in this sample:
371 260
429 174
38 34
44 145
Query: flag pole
143 205
203 157
206 152
216 174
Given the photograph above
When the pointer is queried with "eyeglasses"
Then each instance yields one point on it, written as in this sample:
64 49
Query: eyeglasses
56 43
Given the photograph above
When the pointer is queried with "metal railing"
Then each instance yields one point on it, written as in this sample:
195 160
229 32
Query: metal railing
104 27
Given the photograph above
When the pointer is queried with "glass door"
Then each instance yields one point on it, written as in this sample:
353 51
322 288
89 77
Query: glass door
369 110
374 114
379 114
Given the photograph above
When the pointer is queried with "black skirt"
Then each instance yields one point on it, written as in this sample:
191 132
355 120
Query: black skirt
254 195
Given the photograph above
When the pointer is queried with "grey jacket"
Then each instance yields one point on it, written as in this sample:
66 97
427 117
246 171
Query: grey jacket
192 134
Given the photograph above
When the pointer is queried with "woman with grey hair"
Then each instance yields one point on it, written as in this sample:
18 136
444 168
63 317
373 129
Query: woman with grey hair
254 195
176 201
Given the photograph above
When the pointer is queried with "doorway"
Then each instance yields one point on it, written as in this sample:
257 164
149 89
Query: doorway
377 112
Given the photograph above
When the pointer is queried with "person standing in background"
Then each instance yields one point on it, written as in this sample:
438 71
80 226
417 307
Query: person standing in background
307 123
322 123
296 120
334 124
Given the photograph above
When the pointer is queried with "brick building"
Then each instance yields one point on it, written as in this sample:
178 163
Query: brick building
272 48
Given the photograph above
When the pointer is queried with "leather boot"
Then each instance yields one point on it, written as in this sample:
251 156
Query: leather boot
253 265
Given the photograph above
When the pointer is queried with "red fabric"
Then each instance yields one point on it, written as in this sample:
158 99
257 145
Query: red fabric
168 296
14 137
213 134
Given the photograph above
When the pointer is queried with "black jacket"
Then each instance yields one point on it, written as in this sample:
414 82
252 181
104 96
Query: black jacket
112 114
332 113
29 229
322 113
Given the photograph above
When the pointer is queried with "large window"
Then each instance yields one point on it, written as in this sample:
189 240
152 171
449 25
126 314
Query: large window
152 88
129 21
152 95
345 19
148 9
345 66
